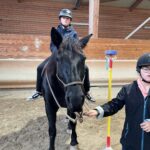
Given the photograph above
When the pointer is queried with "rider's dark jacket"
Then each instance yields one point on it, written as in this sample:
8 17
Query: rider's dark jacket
69 31
137 109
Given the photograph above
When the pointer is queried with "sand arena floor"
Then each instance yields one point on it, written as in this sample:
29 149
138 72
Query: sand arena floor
23 125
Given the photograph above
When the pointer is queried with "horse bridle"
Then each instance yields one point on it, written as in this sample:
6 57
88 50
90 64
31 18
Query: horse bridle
70 83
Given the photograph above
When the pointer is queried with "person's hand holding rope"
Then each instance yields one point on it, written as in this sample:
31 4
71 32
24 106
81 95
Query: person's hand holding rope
91 113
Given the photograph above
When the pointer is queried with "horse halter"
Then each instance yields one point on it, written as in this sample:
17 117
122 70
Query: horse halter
70 83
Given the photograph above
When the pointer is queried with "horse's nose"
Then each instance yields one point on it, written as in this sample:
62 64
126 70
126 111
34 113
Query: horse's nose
75 103
68 99
82 99
69 104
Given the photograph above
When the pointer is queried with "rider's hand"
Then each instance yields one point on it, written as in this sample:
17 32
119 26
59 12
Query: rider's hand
145 126
91 113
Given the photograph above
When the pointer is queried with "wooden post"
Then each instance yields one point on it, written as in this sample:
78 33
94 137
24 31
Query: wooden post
94 17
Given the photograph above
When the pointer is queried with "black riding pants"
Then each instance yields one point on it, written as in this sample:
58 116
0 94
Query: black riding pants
41 68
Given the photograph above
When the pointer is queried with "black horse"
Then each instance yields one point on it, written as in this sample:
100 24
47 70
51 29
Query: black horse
63 82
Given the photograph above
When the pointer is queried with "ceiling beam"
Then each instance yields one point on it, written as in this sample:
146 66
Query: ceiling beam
19 1
135 4
105 1
77 4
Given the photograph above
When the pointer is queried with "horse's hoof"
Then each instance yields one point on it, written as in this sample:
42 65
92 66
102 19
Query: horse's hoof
69 131
74 147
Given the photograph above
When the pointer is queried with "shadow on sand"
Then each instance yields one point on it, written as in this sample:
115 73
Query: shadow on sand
34 136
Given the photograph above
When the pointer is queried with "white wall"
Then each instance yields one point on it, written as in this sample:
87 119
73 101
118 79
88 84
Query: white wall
22 72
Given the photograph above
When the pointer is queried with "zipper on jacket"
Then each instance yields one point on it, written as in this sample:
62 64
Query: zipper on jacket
127 129
144 113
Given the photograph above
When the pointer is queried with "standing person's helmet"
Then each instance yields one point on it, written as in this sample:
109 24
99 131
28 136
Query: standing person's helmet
144 60
65 13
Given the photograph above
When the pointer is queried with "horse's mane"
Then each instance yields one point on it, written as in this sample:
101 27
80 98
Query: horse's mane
71 44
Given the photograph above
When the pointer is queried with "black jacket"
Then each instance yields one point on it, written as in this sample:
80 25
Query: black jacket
69 31
137 109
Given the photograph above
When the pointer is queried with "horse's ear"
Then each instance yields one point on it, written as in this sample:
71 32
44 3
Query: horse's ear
85 40
56 37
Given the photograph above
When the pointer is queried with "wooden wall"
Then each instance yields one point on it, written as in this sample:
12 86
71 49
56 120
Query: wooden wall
37 17
126 49
34 46
119 22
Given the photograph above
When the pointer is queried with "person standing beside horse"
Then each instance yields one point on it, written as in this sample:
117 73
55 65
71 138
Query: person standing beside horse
65 29
136 99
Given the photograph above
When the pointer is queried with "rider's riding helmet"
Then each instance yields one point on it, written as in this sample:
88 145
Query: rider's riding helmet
144 60
65 13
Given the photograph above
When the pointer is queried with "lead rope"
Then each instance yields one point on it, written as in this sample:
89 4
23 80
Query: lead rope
71 119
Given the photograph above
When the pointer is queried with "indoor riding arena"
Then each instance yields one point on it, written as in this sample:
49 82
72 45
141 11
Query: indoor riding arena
25 25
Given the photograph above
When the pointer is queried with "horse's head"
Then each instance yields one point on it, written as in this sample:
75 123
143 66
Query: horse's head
71 68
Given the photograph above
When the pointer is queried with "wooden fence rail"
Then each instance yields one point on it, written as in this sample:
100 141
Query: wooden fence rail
36 46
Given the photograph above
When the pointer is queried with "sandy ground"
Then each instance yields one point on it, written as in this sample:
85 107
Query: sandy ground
23 125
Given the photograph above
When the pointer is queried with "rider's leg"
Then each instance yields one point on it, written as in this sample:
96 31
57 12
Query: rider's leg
87 85
40 69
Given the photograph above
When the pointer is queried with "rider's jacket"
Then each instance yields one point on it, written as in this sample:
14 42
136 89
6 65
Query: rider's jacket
69 31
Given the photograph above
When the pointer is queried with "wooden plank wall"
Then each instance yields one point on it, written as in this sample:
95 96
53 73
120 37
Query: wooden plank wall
37 17
34 46
119 22
126 49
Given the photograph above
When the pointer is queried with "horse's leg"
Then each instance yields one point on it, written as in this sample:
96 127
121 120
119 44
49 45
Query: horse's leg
51 115
74 141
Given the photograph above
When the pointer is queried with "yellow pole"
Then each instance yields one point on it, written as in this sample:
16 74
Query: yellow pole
110 55
109 99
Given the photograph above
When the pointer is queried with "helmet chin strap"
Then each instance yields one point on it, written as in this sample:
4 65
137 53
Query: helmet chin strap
144 79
